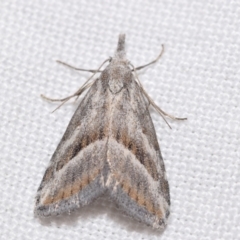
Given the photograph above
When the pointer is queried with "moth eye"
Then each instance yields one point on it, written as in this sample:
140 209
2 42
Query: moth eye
105 75
128 76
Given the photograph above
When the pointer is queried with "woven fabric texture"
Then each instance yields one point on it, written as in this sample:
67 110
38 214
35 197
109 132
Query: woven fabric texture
197 77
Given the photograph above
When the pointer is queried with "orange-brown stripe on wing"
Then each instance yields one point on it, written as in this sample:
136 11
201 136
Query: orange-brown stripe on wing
72 188
138 195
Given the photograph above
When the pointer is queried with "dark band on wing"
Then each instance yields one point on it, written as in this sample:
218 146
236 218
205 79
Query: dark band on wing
139 151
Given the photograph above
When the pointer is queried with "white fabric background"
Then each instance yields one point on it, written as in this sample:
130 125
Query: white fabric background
197 77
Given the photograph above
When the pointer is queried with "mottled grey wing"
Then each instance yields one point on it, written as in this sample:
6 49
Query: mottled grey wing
74 176
137 179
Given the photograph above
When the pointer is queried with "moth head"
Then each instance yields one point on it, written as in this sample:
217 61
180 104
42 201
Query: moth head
120 52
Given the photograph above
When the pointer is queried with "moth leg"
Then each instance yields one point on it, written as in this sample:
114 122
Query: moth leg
150 100
64 100
143 66
158 109
86 85
76 94
78 69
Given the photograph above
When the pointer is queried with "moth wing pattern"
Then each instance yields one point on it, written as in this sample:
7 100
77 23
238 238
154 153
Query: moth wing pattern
137 180
74 175
110 146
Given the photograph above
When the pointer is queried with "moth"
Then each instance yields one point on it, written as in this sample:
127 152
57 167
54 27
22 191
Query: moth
110 147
